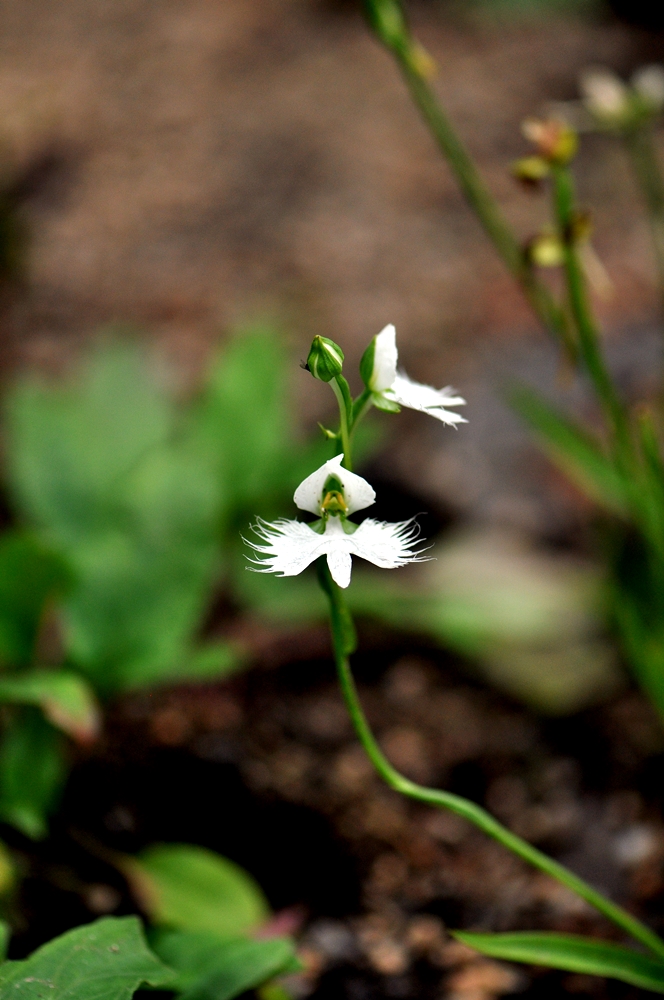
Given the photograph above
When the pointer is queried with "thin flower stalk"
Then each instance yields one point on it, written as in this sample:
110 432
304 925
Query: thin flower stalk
390 26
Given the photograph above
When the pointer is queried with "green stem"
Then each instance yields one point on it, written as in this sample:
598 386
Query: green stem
361 406
589 336
478 196
640 145
343 644
342 392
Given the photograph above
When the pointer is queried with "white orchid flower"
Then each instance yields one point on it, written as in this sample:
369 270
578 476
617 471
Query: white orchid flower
288 547
391 389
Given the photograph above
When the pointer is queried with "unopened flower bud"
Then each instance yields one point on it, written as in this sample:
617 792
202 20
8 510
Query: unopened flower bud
605 95
546 250
378 366
554 140
325 359
531 169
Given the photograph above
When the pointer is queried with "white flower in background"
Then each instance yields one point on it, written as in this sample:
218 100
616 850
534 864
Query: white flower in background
391 389
648 81
604 94
332 492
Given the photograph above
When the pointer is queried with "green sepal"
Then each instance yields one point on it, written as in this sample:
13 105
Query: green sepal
573 954
367 363
383 403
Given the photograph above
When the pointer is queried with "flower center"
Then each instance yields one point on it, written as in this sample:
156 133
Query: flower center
333 501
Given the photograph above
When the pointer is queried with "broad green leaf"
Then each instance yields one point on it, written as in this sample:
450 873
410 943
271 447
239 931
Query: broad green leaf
65 699
32 771
105 960
211 661
210 968
193 889
244 421
29 575
243 415
105 469
572 953
575 451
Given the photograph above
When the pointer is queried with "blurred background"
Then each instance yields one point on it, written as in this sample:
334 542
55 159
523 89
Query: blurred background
187 167
189 192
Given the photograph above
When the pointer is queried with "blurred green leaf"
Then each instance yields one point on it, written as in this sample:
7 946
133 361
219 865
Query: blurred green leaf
532 620
245 421
193 889
107 960
32 771
65 699
105 468
29 575
572 953
5 935
213 969
578 454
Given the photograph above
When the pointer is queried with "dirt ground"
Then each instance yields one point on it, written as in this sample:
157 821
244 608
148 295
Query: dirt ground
266 769
181 165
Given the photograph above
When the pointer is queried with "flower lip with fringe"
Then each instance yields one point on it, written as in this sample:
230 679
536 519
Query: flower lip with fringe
391 389
288 547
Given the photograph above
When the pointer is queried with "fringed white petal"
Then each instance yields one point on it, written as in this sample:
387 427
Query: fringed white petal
425 398
387 545
385 359
357 491
288 547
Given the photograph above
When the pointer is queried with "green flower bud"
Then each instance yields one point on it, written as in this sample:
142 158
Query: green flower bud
325 359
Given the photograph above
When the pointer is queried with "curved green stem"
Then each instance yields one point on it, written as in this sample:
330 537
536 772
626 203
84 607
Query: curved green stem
391 28
342 392
343 643
361 406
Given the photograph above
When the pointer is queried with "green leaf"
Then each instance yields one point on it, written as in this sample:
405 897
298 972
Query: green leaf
107 471
193 889
576 452
29 575
105 960
213 969
244 422
65 699
32 771
243 415
572 953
